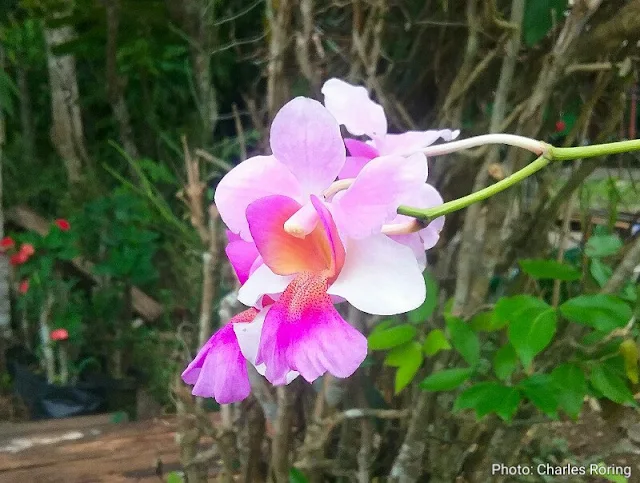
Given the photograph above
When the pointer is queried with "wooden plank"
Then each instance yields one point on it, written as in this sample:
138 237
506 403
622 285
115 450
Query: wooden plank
124 452
27 219
13 430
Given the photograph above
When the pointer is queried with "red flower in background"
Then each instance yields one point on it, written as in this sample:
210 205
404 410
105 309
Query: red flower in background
18 258
27 249
23 287
561 125
63 224
6 243
59 334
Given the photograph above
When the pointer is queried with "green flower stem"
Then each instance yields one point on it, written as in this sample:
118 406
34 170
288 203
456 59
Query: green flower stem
550 153
582 152
455 205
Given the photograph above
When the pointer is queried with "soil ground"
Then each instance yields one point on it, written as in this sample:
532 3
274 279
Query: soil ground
90 449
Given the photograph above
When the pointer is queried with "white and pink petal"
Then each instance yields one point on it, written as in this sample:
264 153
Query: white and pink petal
380 276
373 198
306 138
351 106
411 141
251 180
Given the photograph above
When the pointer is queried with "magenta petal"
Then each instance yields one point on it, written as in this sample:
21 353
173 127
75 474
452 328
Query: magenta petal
303 332
412 141
361 149
242 256
219 370
306 138
361 154
374 197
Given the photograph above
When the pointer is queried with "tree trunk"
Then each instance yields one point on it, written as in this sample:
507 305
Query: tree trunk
5 300
67 134
115 83
26 117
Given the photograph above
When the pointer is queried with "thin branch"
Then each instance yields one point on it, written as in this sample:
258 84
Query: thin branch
624 270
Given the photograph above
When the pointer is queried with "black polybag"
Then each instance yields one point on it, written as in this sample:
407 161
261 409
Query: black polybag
46 401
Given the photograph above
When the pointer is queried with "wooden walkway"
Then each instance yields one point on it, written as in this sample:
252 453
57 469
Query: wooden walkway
90 449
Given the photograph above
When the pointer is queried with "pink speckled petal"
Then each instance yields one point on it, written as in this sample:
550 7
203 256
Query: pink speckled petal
306 138
303 332
351 106
374 197
252 179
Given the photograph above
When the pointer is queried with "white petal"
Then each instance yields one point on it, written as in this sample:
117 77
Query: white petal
262 282
380 276
248 335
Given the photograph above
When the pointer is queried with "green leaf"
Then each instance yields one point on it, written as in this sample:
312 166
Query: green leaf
422 313
464 340
532 330
539 19
297 476
508 308
630 292
610 384
435 342
482 322
391 337
603 246
630 354
602 312
549 269
446 380
174 477
399 356
570 386
408 359
488 397
540 391
605 474
505 362
600 271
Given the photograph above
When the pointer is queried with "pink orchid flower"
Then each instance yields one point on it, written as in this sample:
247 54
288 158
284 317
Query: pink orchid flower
352 107
302 331
308 155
